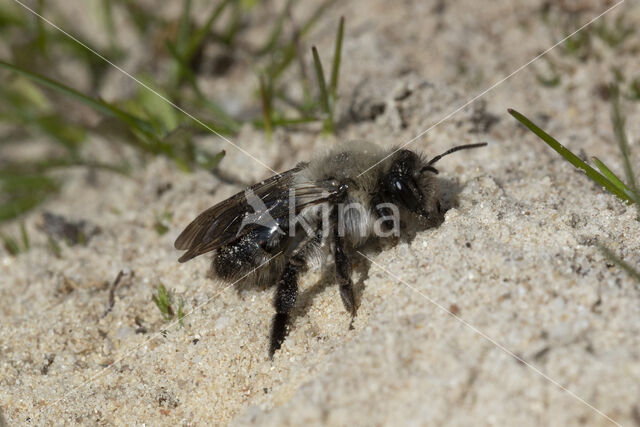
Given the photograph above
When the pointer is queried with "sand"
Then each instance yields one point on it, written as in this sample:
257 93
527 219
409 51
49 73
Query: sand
546 329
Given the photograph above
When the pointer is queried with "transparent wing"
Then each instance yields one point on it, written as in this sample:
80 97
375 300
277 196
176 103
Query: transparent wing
226 221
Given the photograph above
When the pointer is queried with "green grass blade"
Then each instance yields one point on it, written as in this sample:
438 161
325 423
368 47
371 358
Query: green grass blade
163 302
11 15
156 110
322 85
618 120
21 192
621 263
10 244
41 31
198 37
97 104
142 130
184 26
228 125
51 84
634 89
265 96
593 174
41 166
139 16
284 121
337 54
288 52
109 21
274 35
184 71
18 205
211 162
228 37
610 175
54 126
25 237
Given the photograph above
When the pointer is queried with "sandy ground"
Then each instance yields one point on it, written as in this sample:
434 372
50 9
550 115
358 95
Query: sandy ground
516 259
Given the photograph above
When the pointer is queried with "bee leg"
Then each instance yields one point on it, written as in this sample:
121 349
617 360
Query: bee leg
383 212
343 274
285 299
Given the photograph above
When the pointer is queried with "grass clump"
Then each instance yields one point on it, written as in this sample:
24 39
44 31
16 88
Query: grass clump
604 177
589 43
161 224
39 105
310 108
16 246
617 187
164 300
328 95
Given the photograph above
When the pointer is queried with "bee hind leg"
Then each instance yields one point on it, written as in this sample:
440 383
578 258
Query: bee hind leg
343 275
285 299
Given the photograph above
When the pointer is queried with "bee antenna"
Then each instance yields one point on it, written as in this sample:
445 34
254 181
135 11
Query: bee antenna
453 150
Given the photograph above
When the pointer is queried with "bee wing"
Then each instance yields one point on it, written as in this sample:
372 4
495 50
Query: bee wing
220 224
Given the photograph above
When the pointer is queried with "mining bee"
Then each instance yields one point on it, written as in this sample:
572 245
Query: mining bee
322 209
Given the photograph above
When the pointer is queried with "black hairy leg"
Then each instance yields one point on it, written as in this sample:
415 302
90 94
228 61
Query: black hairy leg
285 300
343 273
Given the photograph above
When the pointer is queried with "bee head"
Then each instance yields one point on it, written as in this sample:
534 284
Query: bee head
410 181
408 186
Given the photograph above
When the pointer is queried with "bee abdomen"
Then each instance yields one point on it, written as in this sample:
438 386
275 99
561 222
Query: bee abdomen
236 259
245 255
